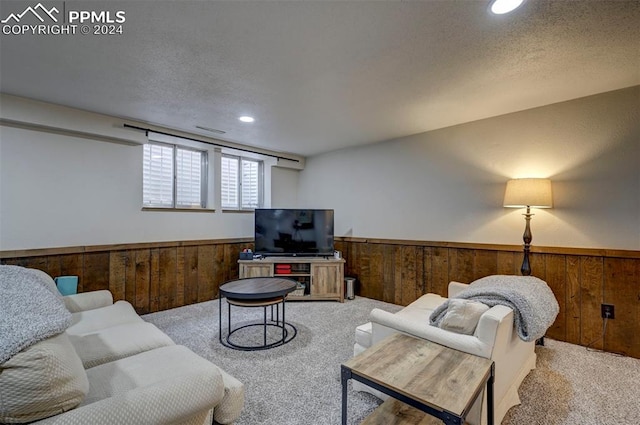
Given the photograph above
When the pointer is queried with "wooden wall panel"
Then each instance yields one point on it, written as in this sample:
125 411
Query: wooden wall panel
362 266
555 276
622 289
485 263
95 272
218 272
440 270
380 271
205 273
154 280
506 263
142 281
150 276
538 265
72 265
461 264
591 295
190 274
54 268
180 276
117 274
155 276
411 287
573 301
396 269
427 264
168 277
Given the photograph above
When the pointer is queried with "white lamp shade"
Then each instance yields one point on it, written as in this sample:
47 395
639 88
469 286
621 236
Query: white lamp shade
528 193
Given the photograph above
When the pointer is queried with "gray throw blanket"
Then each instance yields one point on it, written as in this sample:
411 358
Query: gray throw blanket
534 306
29 310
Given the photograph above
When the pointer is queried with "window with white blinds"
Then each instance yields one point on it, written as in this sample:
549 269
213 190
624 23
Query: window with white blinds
241 182
174 177
229 181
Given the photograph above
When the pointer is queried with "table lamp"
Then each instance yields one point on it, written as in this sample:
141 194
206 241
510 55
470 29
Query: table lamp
528 193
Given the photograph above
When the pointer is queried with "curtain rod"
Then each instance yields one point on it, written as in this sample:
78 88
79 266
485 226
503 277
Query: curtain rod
147 130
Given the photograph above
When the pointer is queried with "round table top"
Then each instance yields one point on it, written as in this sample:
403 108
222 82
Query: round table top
257 288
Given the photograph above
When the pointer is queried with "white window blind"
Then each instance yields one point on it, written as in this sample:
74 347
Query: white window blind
241 183
229 181
158 175
250 184
189 182
173 177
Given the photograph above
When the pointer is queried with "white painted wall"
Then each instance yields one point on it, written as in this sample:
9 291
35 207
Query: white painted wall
448 185
69 187
59 191
284 187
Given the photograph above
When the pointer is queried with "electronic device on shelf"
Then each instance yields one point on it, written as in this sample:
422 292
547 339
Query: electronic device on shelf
294 232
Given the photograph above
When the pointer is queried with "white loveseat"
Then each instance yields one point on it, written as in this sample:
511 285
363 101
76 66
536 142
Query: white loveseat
112 367
494 338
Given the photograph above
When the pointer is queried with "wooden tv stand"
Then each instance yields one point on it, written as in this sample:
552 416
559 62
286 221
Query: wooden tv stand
323 278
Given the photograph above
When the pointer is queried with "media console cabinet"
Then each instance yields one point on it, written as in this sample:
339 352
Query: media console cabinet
321 277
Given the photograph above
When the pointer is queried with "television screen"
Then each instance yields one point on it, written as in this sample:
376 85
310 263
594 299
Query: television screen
293 232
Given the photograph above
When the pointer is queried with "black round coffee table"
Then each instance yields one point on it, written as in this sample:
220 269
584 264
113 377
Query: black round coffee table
257 292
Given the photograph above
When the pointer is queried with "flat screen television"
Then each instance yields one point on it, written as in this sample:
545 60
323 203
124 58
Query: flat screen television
295 232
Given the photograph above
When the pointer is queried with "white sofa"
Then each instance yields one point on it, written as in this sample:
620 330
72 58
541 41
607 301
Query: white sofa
494 338
112 367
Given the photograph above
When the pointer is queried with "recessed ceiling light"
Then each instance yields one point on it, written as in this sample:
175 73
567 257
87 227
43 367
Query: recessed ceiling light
500 7
246 118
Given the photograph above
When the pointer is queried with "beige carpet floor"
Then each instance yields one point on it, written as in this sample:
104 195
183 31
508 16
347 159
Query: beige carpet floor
299 383
574 386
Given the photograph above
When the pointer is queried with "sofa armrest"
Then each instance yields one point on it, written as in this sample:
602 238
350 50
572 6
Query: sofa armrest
88 301
166 402
481 344
455 288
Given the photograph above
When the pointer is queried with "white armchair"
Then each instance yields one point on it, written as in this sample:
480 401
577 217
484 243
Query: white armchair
494 338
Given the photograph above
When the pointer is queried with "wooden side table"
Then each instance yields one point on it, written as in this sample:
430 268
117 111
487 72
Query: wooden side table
423 377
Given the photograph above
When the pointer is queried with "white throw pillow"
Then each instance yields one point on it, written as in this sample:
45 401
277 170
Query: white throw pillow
462 316
41 381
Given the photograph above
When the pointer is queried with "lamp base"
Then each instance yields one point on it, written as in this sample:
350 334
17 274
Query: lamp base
526 237
526 266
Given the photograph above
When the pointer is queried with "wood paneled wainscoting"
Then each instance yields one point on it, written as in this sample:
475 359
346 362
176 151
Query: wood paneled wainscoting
159 276
151 276
400 271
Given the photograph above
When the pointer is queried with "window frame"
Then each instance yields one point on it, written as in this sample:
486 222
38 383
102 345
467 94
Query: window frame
204 180
239 206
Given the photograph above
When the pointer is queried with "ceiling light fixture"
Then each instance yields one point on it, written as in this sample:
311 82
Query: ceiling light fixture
246 118
212 130
500 7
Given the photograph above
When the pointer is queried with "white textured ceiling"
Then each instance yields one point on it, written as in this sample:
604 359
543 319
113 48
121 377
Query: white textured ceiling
324 75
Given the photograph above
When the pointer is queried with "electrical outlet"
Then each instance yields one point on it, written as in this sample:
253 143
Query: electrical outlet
607 311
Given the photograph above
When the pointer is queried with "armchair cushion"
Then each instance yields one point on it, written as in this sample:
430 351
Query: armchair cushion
88 301
85 322
42 380
169 385
117 342
462 316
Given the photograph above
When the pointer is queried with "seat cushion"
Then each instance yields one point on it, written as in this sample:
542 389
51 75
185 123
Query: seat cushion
421 309
42 380
117 342
119 313
146 369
